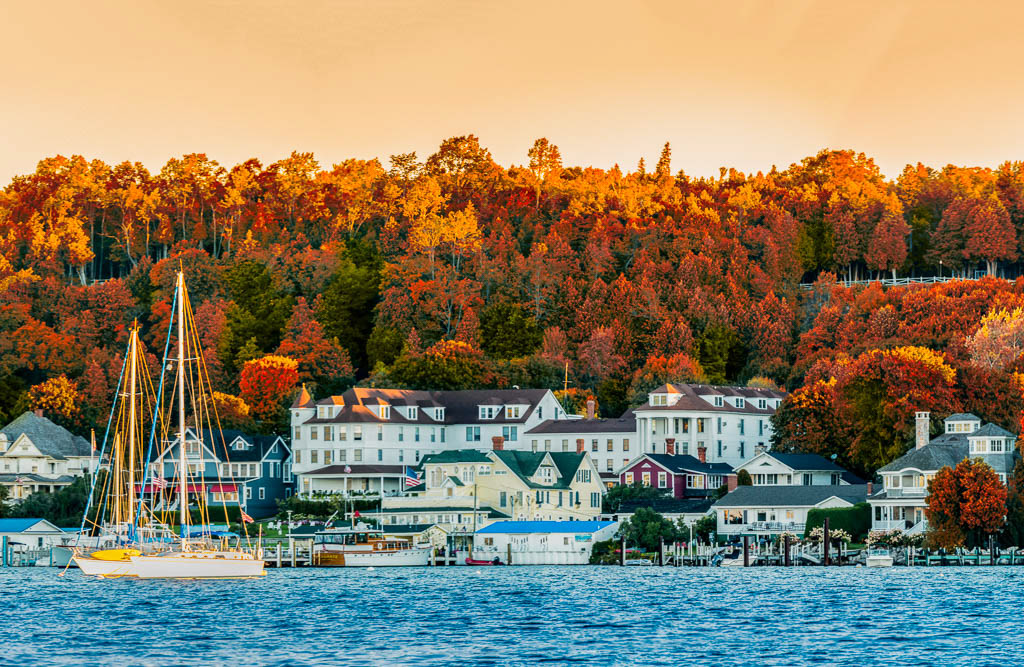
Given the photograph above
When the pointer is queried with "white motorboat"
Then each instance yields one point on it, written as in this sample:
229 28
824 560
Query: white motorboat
361 546
879 558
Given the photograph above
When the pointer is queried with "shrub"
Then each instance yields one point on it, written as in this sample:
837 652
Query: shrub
854 520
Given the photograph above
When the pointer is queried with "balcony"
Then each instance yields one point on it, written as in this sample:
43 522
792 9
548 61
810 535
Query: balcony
765 527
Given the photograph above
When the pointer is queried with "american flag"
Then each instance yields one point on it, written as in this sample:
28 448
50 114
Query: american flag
412 478
348 469
245 517
159 483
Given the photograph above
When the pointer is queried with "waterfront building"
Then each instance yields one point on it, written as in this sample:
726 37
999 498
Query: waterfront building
716 424
31 533
38 455
687 510
241 470
771 510
362 441
678 475
611 443
903 498
776 469
541 542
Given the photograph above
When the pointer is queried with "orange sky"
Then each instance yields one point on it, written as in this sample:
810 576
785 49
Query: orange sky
746 84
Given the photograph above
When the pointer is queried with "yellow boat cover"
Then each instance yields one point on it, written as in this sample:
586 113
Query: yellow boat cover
116 554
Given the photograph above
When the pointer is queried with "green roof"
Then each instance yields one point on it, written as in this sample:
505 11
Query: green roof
525 464
456 456
455 480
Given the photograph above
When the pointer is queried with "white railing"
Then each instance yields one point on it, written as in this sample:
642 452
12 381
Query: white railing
895 282
762 527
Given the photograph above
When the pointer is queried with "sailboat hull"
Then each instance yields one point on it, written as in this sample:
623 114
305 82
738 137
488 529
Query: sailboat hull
104 568
198 565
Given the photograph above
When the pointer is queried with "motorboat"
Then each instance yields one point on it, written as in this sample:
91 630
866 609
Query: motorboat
362 546
879 558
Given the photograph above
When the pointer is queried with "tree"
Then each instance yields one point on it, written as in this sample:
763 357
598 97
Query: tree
743 478
346 309
999 340
664 166
636 491
545 159
647 529
965 504
507 331
265 385
321 361
446 365
58 398
258 314
659 370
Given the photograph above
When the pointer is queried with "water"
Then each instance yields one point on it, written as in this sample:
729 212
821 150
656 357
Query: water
520 615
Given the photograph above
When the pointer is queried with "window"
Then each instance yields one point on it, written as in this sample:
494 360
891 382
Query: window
595 499
762 404
547 445
472 434
625 444
629 478
593 445
433 435
610 445
485 470
659 399
510 433
720 424
695 481
263 493
646 478
248 492
760 427
540 412
297 433
314 456
488 411
718 401
719 449
385 412
380 454
357 455
700 425
533 445
743 447
401 434
312 433
662 480
610 465
328 433
401 455
743 424
503 499
342 453
327 457
416 434
357 432
512 411
625 462
442 433
835 479
298 455
488 541
287 472
380 433
565 444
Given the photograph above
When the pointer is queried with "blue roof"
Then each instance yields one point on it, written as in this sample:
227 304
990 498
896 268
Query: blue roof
17 525
546 526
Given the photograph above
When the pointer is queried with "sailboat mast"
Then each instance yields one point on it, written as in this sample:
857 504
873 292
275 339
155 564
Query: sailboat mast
132 352
182 469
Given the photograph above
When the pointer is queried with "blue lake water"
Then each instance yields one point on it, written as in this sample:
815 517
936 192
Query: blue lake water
520 615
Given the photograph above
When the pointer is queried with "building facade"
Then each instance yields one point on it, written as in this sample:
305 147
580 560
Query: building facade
611 443
38 455
678 475
774 469
541 542
901 503
728 424
772 510
394 428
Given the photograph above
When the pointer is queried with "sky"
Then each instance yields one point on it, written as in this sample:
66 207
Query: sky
737 84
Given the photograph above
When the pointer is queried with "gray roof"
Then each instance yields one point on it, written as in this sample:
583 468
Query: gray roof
461 407
683 463
992 431
962 417
624 424
933 456
806 462
51 439
690 399
791 496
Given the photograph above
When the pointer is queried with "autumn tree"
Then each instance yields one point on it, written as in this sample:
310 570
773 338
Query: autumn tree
545 159
446 365
322 361
58 398
266 384
965 504
999 340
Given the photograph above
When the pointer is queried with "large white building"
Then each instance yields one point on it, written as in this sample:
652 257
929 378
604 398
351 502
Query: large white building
38 455
730 424
363 440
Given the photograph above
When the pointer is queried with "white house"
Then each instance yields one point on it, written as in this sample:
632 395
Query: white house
38 455
541 542
611 443
902 501
30 533
766 510
776 469
730 424
363 440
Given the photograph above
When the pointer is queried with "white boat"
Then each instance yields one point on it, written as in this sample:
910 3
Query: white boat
140 551
879 558
361 546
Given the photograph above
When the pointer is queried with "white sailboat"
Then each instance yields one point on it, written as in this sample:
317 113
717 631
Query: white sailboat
189 556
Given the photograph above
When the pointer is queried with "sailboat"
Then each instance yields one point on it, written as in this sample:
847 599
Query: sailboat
193 554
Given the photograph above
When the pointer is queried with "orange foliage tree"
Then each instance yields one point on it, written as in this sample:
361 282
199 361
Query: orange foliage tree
965 504
57 397
265 383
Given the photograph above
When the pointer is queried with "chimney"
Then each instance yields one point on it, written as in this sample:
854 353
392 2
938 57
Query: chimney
732 481
38 412
702 454
580 445
591 408
871 488
498 442
759 449
922 429
670 446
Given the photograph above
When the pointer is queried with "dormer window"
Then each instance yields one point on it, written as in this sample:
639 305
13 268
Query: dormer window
762 404
488 411
659 399
411 412
439 414
740 403
385 412
718 401
512 411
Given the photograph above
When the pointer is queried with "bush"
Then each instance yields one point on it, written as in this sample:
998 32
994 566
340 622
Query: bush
854 520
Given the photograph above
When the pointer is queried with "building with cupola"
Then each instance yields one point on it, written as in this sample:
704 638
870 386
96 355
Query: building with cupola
902 500
362 441
714 424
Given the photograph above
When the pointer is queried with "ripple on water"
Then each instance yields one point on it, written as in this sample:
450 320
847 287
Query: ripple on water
519 615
